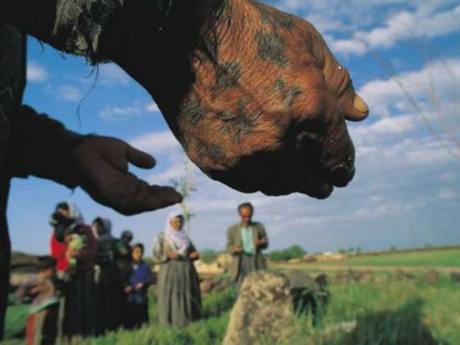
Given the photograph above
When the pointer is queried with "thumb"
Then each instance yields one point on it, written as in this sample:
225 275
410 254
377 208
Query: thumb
140 159
337 78
355 108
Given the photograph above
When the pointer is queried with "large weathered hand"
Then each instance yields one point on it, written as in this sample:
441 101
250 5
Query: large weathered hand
253 94
102 170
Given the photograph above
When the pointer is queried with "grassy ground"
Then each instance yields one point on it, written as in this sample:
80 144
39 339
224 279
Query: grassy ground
386 313
435 258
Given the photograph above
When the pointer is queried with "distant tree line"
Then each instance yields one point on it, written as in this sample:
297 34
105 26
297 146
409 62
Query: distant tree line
292 252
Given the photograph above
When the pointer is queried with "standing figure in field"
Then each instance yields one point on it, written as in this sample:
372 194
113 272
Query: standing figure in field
109 287
122 254
139 280
81 246
245 242
42 322
179 295
58 246
123 257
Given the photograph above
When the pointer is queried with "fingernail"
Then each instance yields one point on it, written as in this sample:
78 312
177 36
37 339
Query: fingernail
360 105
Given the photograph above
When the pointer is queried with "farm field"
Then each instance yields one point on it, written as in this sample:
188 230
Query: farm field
442 258
378 308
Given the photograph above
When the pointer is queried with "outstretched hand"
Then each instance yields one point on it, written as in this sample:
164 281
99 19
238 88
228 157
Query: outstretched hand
102 164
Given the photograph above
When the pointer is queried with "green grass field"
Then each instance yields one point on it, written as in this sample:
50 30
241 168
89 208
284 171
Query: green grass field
434 258
384 312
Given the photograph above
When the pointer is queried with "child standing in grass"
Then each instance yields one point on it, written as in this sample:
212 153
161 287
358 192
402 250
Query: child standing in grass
42 321
138 282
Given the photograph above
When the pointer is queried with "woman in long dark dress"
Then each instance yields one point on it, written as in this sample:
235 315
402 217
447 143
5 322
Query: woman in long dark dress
179 296
79 306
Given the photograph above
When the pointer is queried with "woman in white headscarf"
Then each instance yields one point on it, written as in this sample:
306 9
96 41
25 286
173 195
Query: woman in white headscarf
179 297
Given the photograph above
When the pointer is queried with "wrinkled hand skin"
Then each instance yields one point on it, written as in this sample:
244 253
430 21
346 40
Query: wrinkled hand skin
258 102
103 163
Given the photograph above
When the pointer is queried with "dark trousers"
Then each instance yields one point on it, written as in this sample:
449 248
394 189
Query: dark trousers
137 314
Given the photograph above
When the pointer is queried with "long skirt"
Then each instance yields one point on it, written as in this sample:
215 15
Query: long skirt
79 311
110 300
137 315
179 296
41 327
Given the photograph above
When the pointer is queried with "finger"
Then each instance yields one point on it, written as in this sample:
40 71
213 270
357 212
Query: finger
127 194
140 158
167 196
339 83
355 109
145 198
338 79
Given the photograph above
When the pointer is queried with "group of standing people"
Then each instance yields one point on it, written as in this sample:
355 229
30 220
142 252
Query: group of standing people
93 282
179 297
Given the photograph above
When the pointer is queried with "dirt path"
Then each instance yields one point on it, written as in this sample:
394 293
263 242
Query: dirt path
345 267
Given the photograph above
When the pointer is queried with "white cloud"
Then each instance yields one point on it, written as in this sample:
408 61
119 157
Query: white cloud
36 72
123 113
152 107
176 171
384 209
429 86
157 142
113 113
113 75
383 128
70 93
401 26
447 194
378 23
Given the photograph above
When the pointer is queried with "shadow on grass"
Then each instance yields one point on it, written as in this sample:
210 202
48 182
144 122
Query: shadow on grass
217 304
403 326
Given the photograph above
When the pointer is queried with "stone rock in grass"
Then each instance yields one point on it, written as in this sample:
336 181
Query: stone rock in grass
210 285
455 276
432 277
354 276
263 313
404 275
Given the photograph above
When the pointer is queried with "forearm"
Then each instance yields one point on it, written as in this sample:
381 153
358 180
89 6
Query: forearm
97 29
43 148
72 26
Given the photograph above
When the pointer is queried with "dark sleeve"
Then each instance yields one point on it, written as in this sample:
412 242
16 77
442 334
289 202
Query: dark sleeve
77 27
148 277
263 235
88 253
230 243
42 148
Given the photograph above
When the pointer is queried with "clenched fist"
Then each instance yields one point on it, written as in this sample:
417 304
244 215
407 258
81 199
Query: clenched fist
253 94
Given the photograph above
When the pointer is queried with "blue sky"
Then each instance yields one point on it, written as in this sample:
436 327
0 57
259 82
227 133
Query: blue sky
407 188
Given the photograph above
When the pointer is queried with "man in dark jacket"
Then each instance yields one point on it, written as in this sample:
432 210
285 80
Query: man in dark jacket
263 80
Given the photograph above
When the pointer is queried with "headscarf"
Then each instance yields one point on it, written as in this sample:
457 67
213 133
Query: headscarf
106 231
127 234
177 239
76 214
66 225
